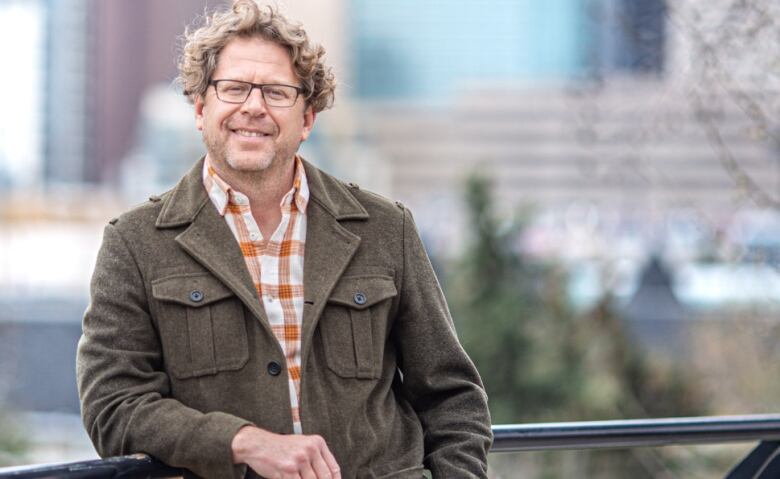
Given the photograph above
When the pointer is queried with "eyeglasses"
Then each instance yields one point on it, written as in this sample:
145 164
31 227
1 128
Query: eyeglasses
235 91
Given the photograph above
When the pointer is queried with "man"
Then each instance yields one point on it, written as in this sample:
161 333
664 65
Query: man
262 317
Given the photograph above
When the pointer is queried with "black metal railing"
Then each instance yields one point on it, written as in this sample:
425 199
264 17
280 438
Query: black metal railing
137 466
762 463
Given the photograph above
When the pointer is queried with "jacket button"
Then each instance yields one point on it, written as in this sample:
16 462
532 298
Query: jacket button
274 368
359 298
196 296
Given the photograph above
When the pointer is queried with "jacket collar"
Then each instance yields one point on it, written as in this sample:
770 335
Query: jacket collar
189 196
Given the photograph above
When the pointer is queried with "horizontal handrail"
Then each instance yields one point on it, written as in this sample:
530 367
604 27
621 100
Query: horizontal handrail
136 466
764 428
636 433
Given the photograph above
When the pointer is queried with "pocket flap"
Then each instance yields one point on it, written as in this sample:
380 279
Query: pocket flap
361 292
193 289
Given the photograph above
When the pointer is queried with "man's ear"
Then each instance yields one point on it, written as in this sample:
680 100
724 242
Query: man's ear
199 112
309 115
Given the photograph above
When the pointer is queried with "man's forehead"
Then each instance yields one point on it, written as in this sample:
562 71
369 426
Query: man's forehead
254 50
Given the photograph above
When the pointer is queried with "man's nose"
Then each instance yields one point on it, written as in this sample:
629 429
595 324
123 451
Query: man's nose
254 104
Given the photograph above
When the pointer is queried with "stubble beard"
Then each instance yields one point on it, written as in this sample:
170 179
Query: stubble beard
246 162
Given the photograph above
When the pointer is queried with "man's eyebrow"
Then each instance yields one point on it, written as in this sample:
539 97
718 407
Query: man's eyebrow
275 81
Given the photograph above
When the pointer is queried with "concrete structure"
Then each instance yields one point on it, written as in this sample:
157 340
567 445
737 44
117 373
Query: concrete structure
638 149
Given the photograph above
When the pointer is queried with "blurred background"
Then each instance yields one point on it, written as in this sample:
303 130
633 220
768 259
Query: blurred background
597 182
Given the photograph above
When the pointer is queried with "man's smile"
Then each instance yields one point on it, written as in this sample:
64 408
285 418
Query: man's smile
250 133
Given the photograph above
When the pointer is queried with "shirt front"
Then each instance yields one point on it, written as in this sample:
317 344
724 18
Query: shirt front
275 263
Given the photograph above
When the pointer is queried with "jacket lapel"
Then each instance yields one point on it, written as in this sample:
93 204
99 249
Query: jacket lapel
211 243
329 245
208 239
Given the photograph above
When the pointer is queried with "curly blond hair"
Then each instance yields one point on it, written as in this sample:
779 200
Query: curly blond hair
202 46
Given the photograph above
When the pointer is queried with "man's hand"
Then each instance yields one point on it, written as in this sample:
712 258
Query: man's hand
280 456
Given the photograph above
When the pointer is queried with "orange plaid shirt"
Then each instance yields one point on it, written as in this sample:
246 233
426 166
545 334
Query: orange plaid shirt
275 264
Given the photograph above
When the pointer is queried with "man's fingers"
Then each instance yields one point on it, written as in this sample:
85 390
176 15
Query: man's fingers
330 461
285 456
321 467
307 472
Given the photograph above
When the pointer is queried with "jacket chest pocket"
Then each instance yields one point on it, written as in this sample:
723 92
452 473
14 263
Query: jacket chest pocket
353 325
201 324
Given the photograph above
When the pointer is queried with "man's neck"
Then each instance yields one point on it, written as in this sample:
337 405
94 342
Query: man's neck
265 190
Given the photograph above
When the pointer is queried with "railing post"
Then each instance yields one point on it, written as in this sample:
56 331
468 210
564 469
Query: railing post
763 462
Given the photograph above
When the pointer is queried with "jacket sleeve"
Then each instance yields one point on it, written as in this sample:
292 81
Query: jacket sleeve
439 379
122 384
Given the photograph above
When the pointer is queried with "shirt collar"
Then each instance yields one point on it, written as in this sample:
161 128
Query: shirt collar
222 194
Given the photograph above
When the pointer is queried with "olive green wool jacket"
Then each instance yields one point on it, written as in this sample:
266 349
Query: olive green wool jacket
177 353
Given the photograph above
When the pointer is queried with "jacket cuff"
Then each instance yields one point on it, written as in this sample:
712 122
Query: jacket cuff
219 435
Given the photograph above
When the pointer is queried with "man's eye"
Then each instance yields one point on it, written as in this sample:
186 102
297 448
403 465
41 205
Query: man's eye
276 93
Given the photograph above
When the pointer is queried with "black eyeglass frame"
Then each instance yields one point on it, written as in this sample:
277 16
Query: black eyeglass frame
259 86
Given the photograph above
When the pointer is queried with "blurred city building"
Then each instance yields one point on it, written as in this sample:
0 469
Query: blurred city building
425 50
100 57
69 126
429 50
22 47
627 36
634 148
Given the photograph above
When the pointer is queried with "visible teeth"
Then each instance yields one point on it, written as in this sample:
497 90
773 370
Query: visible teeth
250 133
